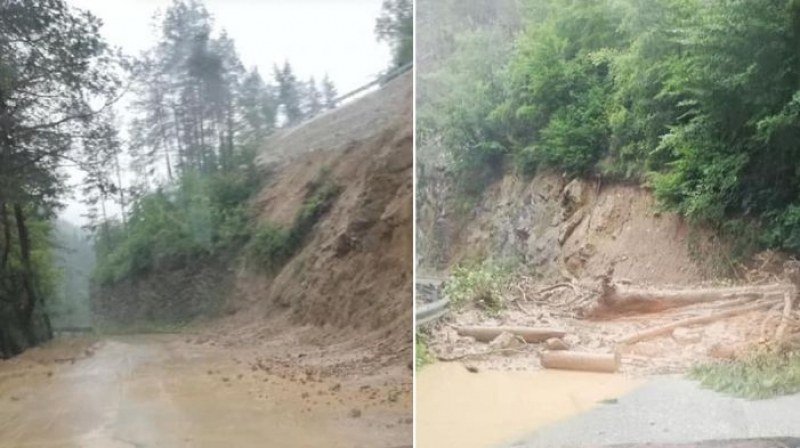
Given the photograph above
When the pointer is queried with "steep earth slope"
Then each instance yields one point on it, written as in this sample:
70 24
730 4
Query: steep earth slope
353 276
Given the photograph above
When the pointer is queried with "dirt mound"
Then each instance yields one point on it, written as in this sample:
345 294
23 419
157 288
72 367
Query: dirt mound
353 274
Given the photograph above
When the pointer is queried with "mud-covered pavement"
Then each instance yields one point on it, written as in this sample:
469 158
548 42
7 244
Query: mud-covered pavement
165 391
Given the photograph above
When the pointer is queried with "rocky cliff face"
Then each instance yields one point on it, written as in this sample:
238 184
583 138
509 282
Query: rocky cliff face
558 226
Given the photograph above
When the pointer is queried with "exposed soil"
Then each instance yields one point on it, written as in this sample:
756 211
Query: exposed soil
573 233
352 279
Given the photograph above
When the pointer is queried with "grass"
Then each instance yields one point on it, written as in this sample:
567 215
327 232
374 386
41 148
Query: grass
422 356
760 374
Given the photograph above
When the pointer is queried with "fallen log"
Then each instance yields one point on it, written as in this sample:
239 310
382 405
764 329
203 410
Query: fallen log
616 300
668 328
528 334
588 362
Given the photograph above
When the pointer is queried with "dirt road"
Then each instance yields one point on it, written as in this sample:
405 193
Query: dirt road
162 391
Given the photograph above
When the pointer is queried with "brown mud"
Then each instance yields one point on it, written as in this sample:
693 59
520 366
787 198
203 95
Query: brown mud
190 390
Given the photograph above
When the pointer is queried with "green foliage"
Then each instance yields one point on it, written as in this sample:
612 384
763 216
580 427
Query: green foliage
761 374
270 247
396 26
700 100
458 110
422 356
478 283
205 214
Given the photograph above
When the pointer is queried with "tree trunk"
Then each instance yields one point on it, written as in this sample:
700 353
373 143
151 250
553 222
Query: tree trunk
6 236
28 305
616 300
589 362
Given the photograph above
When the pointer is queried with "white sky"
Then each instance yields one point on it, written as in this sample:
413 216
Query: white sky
317 37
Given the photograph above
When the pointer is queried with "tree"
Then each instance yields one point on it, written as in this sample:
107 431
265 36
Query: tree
258 107
54 67
329 93
289 94
396 27
312 98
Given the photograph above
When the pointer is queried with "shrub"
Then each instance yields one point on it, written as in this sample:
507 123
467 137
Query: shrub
479 283
270 247
422 356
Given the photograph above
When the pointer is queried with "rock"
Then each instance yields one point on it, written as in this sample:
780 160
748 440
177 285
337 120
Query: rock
556 344
506 341
355 413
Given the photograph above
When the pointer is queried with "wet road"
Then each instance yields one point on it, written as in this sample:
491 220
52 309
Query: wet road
143 392
672 410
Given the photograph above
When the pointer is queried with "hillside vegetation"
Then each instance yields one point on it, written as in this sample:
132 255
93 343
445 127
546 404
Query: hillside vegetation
696 100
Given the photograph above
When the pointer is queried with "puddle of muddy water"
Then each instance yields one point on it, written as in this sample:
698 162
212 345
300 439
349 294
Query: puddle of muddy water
478 410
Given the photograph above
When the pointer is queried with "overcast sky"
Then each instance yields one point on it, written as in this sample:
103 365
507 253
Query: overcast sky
317 36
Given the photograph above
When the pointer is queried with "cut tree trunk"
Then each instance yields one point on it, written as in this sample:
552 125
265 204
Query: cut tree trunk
616 300
528 334
588 362
698 320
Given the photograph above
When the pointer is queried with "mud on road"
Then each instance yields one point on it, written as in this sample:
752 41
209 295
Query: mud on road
187 391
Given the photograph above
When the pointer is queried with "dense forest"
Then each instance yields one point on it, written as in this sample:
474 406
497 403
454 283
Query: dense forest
696 100
193 120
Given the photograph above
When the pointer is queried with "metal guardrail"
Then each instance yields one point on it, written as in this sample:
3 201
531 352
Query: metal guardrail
429 312
382 79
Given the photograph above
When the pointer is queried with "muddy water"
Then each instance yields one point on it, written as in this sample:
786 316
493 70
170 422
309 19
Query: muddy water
147 392
478 410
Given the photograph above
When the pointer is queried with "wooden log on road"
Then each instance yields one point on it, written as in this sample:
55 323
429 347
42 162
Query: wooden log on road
697 320
582 361
528 334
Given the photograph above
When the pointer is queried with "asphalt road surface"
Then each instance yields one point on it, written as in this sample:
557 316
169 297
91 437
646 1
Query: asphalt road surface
672 410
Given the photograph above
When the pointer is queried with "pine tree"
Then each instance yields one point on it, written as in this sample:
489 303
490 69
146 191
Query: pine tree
289 94
329 93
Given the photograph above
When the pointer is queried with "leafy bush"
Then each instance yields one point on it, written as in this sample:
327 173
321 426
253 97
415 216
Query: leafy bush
270 247
479 283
